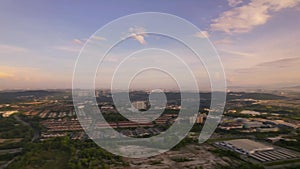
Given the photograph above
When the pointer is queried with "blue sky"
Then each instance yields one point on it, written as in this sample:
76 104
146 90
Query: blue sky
258 40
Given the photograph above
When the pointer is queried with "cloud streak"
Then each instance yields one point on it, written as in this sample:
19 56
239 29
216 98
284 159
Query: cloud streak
244 18
224 41
202 34
282 63
72 49
7 49
239 53
98 38
281 72
78 42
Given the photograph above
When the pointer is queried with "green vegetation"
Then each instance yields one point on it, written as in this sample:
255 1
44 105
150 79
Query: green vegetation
10 128
200 167
170 111
294 145
88 155
8 156
196 128
43 159
292 167
13 134
114 117
63 153
34 121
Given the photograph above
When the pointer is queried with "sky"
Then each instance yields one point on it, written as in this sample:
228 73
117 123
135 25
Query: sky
257 40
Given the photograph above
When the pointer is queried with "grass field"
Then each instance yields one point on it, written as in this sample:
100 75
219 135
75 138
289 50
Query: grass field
45 159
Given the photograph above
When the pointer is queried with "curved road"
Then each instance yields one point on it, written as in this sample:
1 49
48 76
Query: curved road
36 133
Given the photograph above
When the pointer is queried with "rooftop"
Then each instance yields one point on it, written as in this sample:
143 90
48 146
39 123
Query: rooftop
248 146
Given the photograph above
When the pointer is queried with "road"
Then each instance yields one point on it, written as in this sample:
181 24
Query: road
36 133
36 136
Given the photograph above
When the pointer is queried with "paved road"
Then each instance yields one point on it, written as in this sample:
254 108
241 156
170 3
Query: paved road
36 133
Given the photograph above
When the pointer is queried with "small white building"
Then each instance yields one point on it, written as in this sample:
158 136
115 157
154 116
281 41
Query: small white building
249 112
140 105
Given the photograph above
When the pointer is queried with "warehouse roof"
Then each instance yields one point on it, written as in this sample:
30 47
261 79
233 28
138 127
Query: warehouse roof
248 146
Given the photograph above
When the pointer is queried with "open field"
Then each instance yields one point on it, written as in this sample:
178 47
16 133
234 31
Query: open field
190 156
8 141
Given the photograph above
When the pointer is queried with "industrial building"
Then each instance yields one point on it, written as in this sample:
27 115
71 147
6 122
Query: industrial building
259 151
274 155
246 146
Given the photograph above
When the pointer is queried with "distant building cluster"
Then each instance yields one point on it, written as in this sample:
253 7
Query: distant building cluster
255 124
141 132
62 125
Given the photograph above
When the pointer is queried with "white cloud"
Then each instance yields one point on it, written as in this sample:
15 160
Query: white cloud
139 38
74 46
138 33
202 34
234 3
245 18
